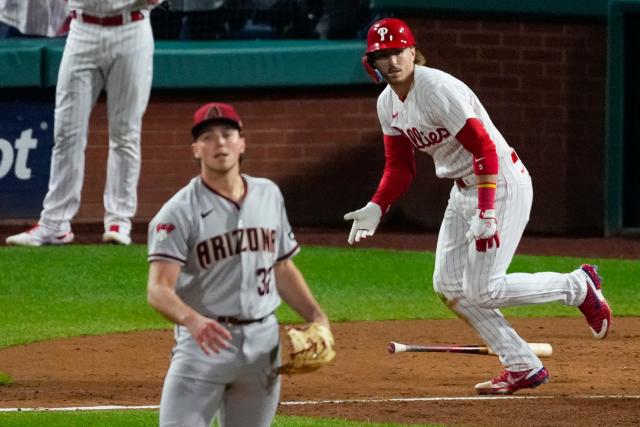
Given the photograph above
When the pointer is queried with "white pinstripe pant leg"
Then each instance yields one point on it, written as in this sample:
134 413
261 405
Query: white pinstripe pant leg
486 281
79 84
489 323
128 85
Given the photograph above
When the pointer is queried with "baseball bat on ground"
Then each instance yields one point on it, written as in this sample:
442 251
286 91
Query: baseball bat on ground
540 349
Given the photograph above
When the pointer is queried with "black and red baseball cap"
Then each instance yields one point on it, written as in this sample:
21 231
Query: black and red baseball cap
214 112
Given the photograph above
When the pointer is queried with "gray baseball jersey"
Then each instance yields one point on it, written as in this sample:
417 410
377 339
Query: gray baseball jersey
228 251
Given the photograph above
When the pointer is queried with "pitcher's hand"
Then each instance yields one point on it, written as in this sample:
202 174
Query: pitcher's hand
210 335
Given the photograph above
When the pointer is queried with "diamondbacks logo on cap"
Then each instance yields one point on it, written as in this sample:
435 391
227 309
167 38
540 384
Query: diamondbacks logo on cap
213 112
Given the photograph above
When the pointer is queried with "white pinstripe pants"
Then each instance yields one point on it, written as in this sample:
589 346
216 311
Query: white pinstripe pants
120 60
475 284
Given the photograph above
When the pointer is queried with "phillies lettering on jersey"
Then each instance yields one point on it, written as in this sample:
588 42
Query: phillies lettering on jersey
435 110
235 242
421 140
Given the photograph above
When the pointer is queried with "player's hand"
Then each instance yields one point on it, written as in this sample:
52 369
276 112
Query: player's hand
365 222
210 335
484 230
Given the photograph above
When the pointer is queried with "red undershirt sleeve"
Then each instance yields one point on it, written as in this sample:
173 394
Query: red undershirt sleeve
399 171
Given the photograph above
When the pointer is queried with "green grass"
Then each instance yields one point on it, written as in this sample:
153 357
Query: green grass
146 418
77 290
5 379
86 290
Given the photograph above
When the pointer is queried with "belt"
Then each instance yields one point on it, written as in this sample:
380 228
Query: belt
108 21
230 320
472 180
467 181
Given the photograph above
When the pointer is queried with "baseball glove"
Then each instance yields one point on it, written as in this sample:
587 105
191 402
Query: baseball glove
312 348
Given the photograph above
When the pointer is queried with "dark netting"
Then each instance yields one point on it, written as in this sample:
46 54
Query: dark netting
259 19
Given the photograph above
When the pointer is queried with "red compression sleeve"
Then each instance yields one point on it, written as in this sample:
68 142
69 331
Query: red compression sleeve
486 196
474 138
399 171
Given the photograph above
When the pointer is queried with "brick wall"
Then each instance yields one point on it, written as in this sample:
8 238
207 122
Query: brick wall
542 83
544 86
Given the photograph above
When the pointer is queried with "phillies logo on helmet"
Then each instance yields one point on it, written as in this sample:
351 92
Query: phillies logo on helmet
382 31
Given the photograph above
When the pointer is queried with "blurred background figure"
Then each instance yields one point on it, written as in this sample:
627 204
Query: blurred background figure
31 17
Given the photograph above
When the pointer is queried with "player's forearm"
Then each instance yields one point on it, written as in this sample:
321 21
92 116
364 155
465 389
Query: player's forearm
399 171
294 290
161 293
475 139
169 305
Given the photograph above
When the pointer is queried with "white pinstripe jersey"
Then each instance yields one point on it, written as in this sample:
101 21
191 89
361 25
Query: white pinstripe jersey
110 7
227 250
436 108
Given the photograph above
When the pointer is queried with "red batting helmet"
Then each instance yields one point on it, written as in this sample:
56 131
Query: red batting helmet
387 33
214 112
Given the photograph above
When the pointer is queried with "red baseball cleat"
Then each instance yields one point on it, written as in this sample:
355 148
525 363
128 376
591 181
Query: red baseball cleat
510 382
594 307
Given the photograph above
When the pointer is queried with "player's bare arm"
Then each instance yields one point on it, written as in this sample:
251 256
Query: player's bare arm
294 290
210 335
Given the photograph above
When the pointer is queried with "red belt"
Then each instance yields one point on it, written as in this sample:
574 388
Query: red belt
461 184
108 21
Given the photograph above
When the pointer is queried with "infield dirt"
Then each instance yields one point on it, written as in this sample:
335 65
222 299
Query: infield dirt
128 369
592 383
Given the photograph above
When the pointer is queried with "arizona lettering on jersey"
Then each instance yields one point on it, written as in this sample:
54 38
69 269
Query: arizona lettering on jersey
234 242
227 249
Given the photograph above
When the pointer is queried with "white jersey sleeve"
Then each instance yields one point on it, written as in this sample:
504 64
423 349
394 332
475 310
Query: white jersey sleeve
385 112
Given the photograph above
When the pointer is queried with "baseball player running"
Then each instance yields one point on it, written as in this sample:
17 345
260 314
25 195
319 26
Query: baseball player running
431 111
220 254
110 47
